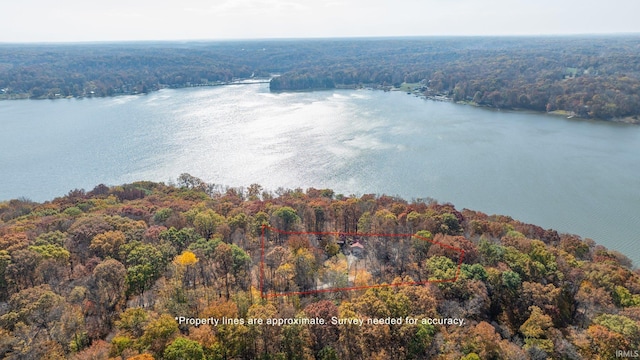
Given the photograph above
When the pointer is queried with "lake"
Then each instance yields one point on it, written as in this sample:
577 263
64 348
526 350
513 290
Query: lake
571 175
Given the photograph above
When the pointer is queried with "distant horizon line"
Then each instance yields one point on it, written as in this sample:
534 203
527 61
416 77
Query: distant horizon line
379 37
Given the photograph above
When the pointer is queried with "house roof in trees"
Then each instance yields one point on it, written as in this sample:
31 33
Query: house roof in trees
357 245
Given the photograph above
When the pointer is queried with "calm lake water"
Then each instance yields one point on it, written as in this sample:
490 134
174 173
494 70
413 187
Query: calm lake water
574 176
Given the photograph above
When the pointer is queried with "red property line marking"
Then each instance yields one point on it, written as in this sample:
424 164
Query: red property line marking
272 295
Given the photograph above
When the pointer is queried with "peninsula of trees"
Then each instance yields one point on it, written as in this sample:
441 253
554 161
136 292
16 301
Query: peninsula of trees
586 76
105 274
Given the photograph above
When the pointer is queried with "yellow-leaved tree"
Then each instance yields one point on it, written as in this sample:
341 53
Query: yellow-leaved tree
186 258
185 269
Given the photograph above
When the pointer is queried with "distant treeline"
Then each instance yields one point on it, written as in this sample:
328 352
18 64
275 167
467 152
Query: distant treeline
597 77
54 71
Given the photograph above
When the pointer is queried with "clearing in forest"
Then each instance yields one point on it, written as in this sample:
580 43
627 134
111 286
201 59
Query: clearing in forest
299 263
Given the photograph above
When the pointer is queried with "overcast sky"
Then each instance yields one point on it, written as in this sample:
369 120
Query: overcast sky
114 20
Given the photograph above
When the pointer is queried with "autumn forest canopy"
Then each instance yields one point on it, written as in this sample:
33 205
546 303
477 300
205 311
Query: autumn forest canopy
591 77
105 273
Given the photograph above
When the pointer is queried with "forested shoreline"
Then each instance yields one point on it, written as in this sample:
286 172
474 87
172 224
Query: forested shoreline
585 76
104 274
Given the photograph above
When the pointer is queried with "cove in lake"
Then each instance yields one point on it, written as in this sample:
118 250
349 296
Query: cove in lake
574 176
